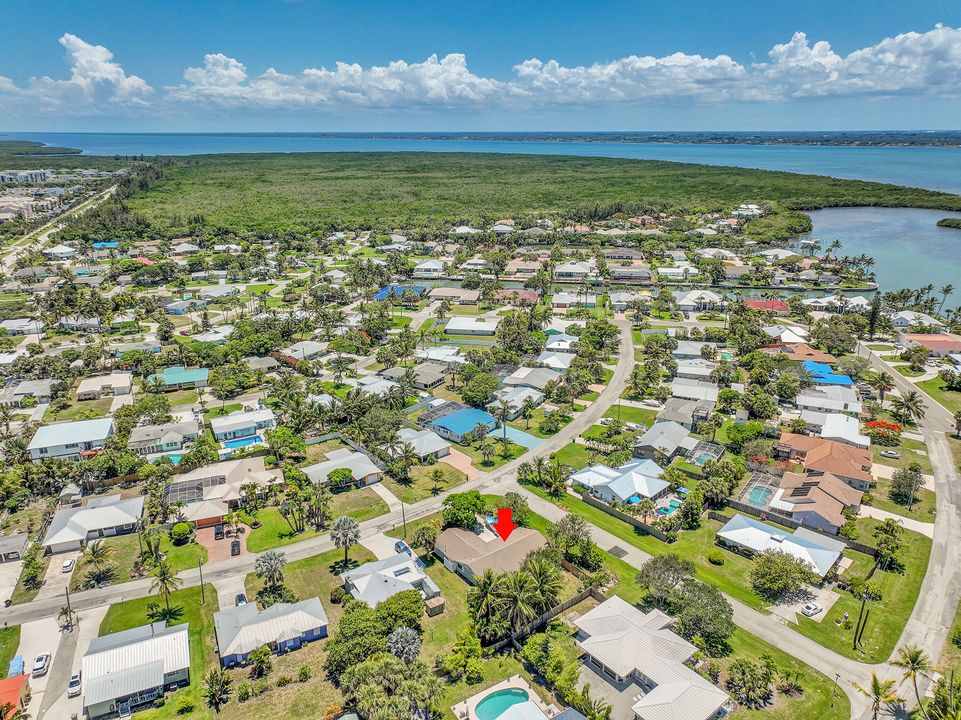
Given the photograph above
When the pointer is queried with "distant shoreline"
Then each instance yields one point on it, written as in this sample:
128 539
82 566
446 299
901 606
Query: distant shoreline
871 139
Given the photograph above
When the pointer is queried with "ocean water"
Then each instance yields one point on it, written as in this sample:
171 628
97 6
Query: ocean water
937 168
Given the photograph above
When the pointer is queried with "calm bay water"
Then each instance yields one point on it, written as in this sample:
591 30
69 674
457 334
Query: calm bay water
937 168
909 249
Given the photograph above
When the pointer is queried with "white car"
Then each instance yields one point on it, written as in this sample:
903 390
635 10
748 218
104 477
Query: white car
41 665
633 426
811 609
73 687
893 454
68 565
605 421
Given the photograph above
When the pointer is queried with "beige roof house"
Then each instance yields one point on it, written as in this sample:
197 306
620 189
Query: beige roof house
470 553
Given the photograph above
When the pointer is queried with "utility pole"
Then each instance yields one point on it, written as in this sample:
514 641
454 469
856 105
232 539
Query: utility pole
200 566
403 515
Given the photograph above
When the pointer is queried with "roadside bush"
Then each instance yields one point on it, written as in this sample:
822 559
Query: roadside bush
715 557
261 687
180 533
185 707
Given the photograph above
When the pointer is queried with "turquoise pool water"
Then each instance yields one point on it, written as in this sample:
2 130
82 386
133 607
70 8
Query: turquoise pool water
726 356
759 496
243 442
703 458
494 705
671 508
174 458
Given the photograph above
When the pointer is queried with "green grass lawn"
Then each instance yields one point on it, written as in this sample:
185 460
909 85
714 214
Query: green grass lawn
25 520
21 594
537 417
9 642
187 608
360 503
907 371
421 485
641 416
912 451
125 549
951 654
880 346
221 410
577 456
923 508
951 399
498 458
182 397
79 410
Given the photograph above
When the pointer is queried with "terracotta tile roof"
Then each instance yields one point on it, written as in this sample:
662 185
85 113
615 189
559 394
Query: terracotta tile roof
824 494
829 456
769 305
945 342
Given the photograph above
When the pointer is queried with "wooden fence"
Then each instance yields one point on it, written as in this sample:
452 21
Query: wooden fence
535 625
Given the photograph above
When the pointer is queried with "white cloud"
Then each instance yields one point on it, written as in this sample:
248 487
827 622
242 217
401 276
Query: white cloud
913 63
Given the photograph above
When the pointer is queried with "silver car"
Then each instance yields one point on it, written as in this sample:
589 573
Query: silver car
73 687
41 665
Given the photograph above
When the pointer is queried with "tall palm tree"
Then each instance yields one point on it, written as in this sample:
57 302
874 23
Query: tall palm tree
165 582
502 412
482 598
945 291
216 690
270 567
547 582
914 661
880 692
909 407
883 383
345 532
518 599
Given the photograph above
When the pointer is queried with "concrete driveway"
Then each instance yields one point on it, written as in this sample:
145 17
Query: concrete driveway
790 608
38 637
9 572
380 545
461 461
55 582
229 587
74 644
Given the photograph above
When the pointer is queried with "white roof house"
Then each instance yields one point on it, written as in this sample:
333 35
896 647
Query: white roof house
536 378
778 254
633 645
844 428
22 326
636 479
569 299
442 354
561 342
242 423
556 360
690 300
362 468
70 439
60 252
910 318
716 253
117 383
217 335
107 515
425 442
465 325
133 663
830 399
373 385
242 629
693 389
305 350
786 333
756 536
376 581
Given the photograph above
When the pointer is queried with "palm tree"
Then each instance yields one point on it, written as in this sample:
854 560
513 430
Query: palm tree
345 532
518 599
502 413
909 407
217 683
270 567
945 291
9 711
881 692
547 582
540 467
883 383
406 456
165 582
527 410
914 661
97 554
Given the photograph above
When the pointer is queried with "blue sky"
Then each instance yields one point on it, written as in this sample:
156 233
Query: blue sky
371 65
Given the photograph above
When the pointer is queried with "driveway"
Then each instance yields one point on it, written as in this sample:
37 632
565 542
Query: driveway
925 528
790 608
380 545
9 572
219 550
55 582
38 637
524 439
460 461
229 587
74 644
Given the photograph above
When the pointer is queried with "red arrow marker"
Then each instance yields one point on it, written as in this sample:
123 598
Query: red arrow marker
505 524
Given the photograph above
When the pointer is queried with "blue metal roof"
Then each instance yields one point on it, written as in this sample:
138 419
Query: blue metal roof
824 375
464 420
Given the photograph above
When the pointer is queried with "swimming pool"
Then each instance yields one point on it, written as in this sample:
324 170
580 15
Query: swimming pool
759 496
671 508
494 705
174 458
726 356
703 458
243 442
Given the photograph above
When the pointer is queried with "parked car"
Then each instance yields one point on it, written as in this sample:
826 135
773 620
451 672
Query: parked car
632 426
73 687
811 609
235 548
68 565
401 547
894 454
41 665
605 421
241 599
218 532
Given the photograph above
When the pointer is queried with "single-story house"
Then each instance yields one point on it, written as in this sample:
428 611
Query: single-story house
626 645
94 388
426 444
429 269
907 319
216 292
126 670
555 360
693 389
573 271
565 300
627 484
376 581
775 307
22 326
212 491
688 413
454 426
817 501
470 553
60 252
561 343
426 376
459 296
177 377
372 385
515 398
267 364
242 424
168 437
697 300
751 536
40 390
305 350
937 344
536 378
695 369
843 428
217 335
667 439
70 440
630 274
105 516
363 470
461 325
824 375
282 627
830 399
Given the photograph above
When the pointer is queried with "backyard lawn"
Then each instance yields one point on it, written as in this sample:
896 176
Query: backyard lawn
181 397
186 607
220 410
125 549
951 399
537 417
421 485
79 410
626 413
360 503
